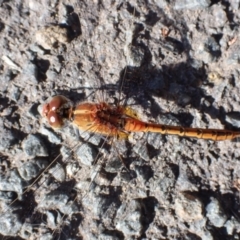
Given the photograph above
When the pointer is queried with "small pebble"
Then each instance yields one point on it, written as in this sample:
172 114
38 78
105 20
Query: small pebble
191 4
10 224
188 208
128 219
86 154
34 146
52 136
215 213
49 36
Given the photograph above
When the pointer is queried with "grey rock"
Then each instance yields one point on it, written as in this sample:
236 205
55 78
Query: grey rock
45 236
72 169
58 172
233 56
7 139
156 232
215 213
56 201
232 225
128 219
235 4
86 154
37 49
163 185
191 4
203 55
206 235
98 204
55 67
6 196
144 172
212 47
11 182
72 132
31 169
113 165
161 4
7 111
34 146
51 74
155 140
141 150
11 63
101 205
5 80
53 220
52 136
198 228
91 138
218 16
26 231
15 93
30 73
188 208
9 224
50 36
125 176
65 152
183 182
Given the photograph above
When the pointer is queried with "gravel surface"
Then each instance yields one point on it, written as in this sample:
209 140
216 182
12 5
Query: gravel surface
174 62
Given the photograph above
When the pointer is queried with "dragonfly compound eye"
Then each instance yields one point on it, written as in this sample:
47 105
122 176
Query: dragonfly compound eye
55 120
57 110
57 102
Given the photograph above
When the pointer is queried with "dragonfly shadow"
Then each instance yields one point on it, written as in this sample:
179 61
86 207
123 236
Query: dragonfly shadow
29 204
180 83
148 205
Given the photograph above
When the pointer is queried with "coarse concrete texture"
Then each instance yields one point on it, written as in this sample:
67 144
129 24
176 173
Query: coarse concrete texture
173 62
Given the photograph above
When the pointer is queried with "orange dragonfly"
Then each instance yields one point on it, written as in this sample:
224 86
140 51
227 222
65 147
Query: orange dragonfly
118 121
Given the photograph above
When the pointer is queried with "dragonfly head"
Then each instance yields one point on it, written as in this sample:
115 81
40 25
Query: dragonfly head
57 110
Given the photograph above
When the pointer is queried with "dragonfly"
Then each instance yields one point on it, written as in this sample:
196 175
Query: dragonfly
119 121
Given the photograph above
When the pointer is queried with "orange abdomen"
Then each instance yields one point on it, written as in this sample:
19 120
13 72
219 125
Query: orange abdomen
134 125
